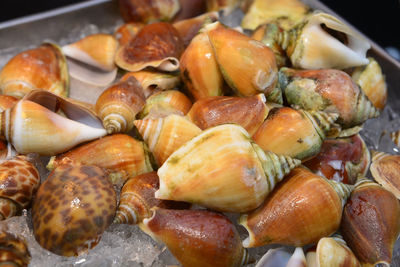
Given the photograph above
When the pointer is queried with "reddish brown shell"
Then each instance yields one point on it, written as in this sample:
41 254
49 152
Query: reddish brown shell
72 209
13 250
190 9
248 112
371 223
122 155
148 10
137 198
19 181
156 45
197 237
127 31
118 105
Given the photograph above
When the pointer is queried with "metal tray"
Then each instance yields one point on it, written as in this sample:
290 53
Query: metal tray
68 24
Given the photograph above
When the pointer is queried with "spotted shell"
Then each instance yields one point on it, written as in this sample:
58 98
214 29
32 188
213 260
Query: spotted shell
13 250
72 209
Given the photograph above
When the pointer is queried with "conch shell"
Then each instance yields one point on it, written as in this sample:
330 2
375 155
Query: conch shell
294 133
42 68
165 135
13 250
143 51
19 181
197 238
248 112
372 81
342 159
385 170
323 41
147 11
329 90
164 103
119 104
72 209
154 81
306 205
371 223
287 12
137 198
121 155
33 126
222 169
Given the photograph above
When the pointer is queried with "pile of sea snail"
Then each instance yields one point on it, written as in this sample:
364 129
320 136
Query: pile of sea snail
206 120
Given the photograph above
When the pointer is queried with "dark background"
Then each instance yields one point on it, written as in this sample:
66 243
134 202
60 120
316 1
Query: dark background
379 20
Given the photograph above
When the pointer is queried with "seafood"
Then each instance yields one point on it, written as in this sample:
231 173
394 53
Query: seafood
121 155
153 81
372 81
165 135
190 9
295 133
329 90
13 250
342 159
143 51
124 33
33 126
222 169
371 223
72 209
137 198
164 103
42 68
385 170
119 104
217 240
248 112
306 205
149 10
7 101
19 181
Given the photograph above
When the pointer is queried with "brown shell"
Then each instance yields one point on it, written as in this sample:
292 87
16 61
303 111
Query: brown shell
156 45
248 112
13 250
118 105
42 68
19 181
120 154
190 9
137 198
371 223
127 31
197 237
7 101
148 10
72 209
385 169
304 204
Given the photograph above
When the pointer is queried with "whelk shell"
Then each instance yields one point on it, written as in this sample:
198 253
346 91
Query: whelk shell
156 45
43 68
72 209
119 104
239 182
165 135
306 205
385 170
197 237
33 126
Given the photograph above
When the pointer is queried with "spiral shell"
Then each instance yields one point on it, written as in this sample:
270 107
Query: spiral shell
371 223
327 90
121 155
222 169
302 135
137 198
197 237
43 68
19 181
148 10
142 51
72 209
306 205
165 135
33 126
13 250
118 105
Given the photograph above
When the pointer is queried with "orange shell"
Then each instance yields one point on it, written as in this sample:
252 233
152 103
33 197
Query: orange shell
126 32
